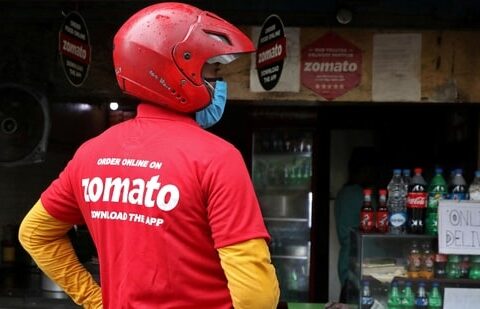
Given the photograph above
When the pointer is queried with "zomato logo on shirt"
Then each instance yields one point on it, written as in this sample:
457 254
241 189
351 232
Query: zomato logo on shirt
136 191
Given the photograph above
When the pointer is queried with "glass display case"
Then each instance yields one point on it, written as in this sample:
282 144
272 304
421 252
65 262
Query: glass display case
384 258
282 171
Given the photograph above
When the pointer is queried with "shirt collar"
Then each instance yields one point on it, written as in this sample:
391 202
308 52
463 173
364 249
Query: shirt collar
146 110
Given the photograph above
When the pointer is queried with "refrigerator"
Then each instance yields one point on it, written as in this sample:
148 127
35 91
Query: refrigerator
286 150
282 176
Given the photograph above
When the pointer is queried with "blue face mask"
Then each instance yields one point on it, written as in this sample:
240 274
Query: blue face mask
211 114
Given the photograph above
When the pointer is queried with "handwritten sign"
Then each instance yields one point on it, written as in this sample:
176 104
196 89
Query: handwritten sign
459 227
461 298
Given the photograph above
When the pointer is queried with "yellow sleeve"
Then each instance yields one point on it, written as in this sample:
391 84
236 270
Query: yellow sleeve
45 239
251 276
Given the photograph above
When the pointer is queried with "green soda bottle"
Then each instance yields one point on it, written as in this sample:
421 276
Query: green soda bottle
437 190
408 297
474 272
394 298
434 297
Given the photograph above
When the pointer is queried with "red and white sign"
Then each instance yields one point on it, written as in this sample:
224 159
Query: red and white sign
331 66
271 52
74 47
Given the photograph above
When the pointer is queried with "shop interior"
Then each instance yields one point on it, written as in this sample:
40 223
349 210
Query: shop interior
404 134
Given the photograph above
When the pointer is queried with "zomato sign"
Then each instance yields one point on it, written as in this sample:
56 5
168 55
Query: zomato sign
331 66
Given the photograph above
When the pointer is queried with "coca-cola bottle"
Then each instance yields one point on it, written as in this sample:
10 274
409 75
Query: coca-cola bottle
416 203
367 213
381 218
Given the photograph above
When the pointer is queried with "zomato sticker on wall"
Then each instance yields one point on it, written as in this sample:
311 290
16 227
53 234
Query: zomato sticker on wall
331 66
74 48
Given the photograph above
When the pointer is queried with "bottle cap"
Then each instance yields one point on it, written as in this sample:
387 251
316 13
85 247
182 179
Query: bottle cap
440 258
454 258
406 171
397 171
439 170
382 192
367 191
477 173
418 170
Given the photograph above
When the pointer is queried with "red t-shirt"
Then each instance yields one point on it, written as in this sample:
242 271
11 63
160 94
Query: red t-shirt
159 195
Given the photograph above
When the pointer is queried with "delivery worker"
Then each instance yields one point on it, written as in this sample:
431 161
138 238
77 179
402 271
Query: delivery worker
170 206
362 173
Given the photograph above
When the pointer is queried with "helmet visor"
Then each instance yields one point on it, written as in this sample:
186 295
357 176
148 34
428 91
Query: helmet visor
223 59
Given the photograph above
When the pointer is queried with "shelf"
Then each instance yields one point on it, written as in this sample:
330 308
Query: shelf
286 219
290 257
442 281
396 236
304 187
262 155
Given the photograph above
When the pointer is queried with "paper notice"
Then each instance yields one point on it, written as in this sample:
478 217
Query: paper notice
396 67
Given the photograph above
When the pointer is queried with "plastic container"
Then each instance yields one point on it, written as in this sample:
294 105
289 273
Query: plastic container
397 212
453 267
417 203
474 188
458 188
437 190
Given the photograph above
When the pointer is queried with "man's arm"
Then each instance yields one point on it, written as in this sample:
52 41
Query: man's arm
251 276
45 239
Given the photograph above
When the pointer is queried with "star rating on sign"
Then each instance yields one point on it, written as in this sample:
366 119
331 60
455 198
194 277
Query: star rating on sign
329 86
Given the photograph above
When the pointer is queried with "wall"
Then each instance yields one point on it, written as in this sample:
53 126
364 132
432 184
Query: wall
449 66
449 63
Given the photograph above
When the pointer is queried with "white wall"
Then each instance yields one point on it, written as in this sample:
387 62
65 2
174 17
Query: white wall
342 144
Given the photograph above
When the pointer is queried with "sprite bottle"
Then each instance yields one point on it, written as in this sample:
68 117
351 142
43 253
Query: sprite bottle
437 190
408 297
394 298
434 297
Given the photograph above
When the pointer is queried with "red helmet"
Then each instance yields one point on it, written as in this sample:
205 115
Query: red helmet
160 51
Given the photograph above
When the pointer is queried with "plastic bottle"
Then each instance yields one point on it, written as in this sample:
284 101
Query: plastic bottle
367 213
407 177
440 265
408 297
421 299
434 297
396 204
474 272
437 190
464 266
474 188
453 267
427 262
417 203
394 298
366 298
381 215
414 261
458 188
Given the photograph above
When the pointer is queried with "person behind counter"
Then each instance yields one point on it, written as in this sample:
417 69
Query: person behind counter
362 173
182 228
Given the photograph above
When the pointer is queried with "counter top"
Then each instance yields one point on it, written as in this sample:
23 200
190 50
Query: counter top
305 306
